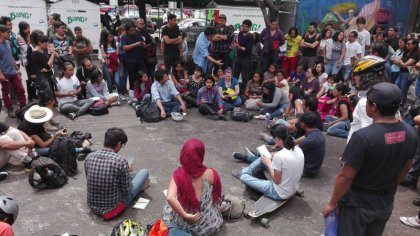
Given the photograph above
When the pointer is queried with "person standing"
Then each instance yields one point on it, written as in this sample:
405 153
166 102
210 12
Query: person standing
172 39
14 46
290 61
9 74
272 38
82 47
221 43
243 44
353 52
52 19
201 54
363 36
309 45
392 38
375 160
149 50
63 45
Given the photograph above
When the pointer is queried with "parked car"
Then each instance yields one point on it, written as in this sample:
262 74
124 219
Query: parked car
192 28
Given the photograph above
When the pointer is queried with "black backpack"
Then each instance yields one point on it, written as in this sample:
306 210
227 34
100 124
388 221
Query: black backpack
46 173
148 111
20 114
62 151
79 137
244 116
99 110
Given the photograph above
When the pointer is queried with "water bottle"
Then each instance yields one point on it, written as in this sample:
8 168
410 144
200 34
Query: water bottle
331 224
27 163
267 120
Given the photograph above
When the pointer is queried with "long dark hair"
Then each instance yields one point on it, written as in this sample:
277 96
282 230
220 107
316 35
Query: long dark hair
268 98
94 75
104 40
282 132
23 25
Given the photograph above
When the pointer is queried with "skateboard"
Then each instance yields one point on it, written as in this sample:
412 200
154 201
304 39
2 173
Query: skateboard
266 205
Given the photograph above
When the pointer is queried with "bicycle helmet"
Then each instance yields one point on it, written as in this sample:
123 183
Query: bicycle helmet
370 69
9 206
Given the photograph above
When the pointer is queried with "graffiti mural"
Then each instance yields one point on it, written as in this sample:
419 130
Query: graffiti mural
343 13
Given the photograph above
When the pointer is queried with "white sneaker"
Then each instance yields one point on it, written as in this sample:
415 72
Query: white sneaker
72 116
116 103
411 221
266 137
260 117
122 97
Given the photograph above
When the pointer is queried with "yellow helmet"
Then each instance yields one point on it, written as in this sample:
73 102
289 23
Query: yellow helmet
369 64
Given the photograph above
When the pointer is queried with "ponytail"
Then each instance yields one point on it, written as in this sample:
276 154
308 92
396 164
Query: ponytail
282 132
289 143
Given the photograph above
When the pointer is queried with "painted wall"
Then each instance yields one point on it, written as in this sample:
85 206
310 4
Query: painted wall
343 13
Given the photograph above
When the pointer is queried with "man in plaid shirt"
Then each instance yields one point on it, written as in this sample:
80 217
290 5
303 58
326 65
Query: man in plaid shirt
110 185
221 43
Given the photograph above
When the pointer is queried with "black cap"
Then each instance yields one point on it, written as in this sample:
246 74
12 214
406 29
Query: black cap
384 94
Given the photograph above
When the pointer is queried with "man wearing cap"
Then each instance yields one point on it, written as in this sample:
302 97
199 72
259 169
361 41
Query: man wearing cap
221 42
375 160
201 54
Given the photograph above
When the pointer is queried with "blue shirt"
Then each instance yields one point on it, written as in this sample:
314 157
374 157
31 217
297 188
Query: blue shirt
201 51
7 66
313 147
163 92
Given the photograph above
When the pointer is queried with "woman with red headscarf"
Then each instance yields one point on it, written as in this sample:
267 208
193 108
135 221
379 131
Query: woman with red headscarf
194 195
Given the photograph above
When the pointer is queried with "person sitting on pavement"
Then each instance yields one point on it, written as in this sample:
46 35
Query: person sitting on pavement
34 126
285 168
14 144
209 101
142 89
310 84
339 125
297 76
112 183
274 101
193 84
68 88
194 195
97 87
281 81
83 74
253 92
9 212
229 91
296 100
165 95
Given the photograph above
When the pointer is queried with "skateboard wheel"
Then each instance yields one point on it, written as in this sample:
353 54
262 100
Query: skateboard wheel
265 222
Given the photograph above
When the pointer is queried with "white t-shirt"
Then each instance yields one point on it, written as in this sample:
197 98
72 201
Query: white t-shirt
285 88
322 78
65 85
290 163
352 49
363 38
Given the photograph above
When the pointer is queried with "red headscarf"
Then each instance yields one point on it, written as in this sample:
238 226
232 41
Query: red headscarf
191 158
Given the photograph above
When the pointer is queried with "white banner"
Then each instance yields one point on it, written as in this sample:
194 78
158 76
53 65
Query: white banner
32 11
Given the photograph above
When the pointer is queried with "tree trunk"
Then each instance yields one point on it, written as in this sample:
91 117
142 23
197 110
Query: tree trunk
272 12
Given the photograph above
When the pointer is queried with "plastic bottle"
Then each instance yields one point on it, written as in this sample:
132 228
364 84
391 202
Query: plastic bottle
331 224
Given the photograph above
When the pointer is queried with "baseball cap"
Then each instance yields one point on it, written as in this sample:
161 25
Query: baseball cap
384 94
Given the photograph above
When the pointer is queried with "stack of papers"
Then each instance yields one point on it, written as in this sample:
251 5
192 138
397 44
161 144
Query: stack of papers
141 203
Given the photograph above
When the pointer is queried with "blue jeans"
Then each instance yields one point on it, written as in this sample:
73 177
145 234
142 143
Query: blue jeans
109 80
346 72
174 230
340 129
137 180
230 105
264 186
404 85
417 89
122 70
44 151
331 67
275 112
172 106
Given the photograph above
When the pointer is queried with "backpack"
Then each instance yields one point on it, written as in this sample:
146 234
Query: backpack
128 228
157 228
62 151
79 137
148 111
20 114
50 174
99 108
244 116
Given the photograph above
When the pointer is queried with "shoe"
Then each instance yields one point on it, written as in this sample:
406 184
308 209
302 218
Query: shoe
411 221
411 184
237 173
11 113
259 117
250 153
54 122
86 150
266 137
49 127
239 156
81 156
72 116
122 97
116 103
3 175
416 201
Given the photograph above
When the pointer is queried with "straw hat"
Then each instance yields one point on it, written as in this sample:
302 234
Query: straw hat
37 114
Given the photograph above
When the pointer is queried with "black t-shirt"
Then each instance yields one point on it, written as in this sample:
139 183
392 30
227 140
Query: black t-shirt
313 147
349 110
171 32
34 129
40 61
408 56
310 52
379 152
136 53
83 74
3 127
393 42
